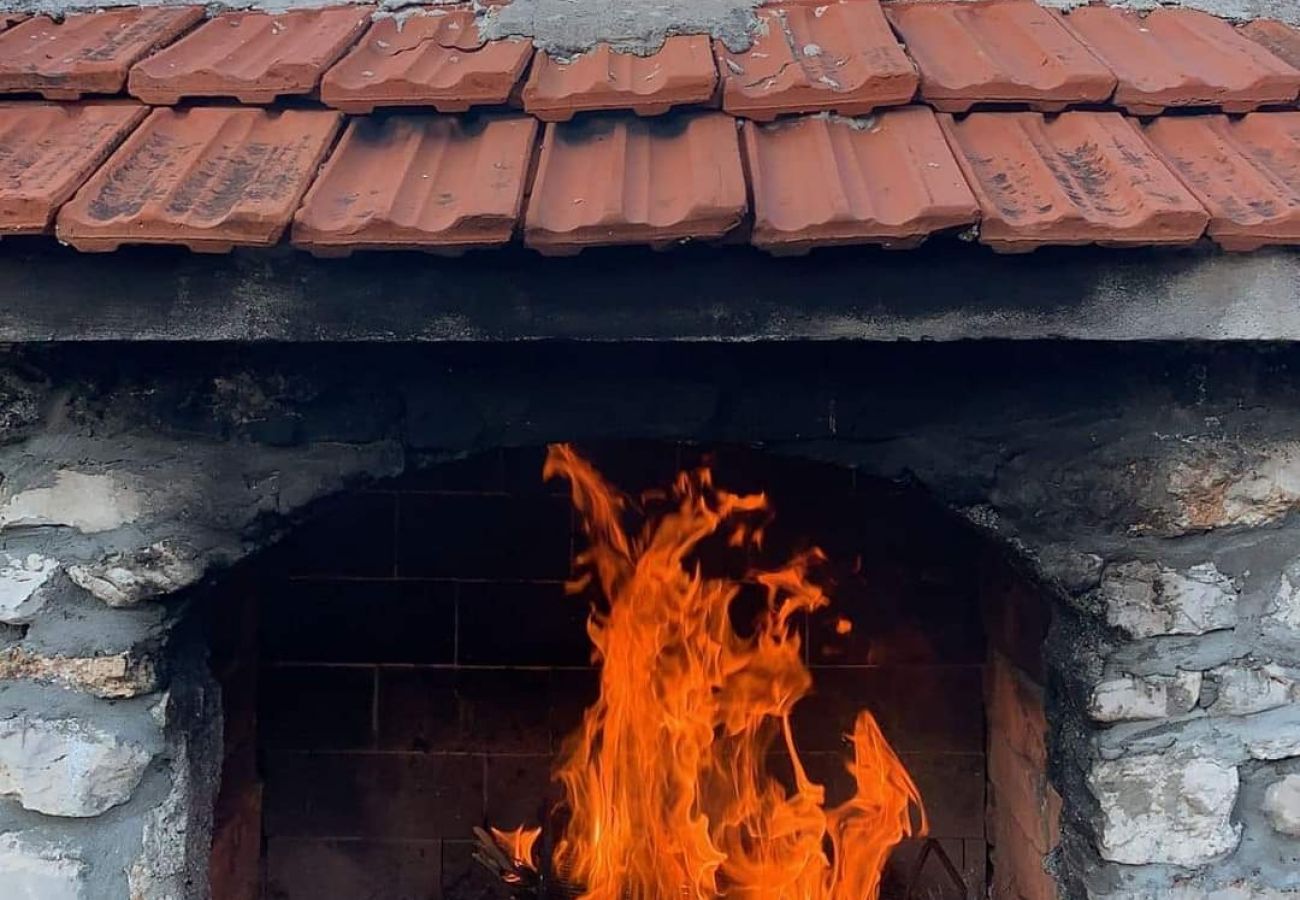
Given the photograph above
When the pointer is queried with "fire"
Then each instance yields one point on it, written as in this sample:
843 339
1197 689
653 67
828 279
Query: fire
667 785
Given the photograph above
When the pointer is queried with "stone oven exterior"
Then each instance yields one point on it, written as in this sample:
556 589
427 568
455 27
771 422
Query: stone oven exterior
1154 503
189 379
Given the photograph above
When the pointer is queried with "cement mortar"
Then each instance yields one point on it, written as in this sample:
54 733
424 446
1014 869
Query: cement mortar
571 26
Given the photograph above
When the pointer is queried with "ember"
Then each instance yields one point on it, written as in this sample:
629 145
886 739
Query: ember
667 787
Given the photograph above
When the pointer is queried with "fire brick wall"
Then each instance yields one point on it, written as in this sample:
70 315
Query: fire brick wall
421 663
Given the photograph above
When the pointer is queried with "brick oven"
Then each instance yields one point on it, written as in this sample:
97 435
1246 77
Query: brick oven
360 371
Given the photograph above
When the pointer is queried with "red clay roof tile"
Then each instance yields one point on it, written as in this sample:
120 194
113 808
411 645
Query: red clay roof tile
1277 38
88 53
1245 171
253 56
47 150
998 52
433 59
1182 57
820 180
618 179
840 56
425 182
681 72
1080 178
209 177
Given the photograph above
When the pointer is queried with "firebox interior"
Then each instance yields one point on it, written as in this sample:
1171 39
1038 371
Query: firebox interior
404 666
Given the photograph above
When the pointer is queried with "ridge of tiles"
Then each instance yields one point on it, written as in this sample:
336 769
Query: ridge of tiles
822 180
620 179
681 72
253 56
976 52
1183 57
1080 178
435 58
209 177
840 56
48 150
1245 171
419 181
86 53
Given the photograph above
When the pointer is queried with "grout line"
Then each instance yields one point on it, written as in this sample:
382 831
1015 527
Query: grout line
397 530
455 625
374 711
410 754
419 579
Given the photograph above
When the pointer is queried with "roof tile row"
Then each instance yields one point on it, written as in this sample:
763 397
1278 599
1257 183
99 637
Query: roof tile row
841 56
216 177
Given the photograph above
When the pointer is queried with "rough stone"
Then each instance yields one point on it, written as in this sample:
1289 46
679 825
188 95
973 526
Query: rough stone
1075 571
125 579
1240 690
1196 891
1282 805
21 581
1147 599
1282 615
40 873
1226 485
1273 746
1132 697
1165 808
20 405
113 676
63 767
88 503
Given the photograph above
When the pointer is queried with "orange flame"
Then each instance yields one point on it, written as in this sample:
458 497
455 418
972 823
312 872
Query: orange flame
666 780
518 844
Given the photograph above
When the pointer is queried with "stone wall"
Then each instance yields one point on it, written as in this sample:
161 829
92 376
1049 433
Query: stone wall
1151 490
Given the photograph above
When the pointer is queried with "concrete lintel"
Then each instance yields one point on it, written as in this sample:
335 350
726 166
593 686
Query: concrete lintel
943 292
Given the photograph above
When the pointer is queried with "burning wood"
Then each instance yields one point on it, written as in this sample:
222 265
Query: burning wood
667 788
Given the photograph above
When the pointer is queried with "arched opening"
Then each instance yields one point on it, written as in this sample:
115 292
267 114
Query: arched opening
405 665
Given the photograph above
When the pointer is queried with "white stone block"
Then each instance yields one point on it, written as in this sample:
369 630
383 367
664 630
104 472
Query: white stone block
21 581
46 873
62 767
1247 689
1164 808
1282 805
88 503
1147 599
1133 697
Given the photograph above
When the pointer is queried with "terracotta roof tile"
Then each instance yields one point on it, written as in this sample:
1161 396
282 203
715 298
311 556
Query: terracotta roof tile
434 59
1182 57
821 180
1081 178
427 182
1245 171
840 56
85 54
681 72
618 179
209 178
1281 40
998 51
47 150
254 56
